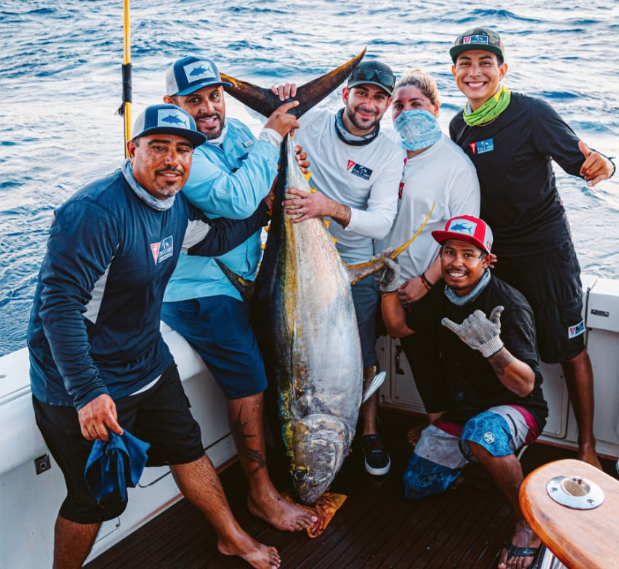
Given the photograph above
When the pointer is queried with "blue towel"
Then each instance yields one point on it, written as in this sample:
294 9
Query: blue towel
115 464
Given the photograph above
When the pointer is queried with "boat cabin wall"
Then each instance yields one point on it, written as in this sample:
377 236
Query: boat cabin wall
601 315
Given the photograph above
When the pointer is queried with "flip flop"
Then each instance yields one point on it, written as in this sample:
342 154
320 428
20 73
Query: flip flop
515 551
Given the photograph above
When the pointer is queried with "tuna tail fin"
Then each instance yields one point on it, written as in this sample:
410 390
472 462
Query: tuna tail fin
245 287
378 380
361 270
310 94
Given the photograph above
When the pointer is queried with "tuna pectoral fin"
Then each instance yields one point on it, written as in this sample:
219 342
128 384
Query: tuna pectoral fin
361 270
265 102
378 380
245 287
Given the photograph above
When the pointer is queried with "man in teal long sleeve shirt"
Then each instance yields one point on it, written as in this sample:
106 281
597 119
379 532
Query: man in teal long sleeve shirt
231 174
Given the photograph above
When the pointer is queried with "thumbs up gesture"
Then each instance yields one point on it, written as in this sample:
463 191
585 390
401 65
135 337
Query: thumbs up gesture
596 167
479 332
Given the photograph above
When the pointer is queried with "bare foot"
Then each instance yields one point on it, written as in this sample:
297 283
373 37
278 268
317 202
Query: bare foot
414 433
523 536
586 453
246 547
281 513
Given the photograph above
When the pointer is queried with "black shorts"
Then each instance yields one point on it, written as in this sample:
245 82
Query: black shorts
550 281
159 416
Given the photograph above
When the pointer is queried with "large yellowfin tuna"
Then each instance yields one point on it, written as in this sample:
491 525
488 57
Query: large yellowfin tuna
307 324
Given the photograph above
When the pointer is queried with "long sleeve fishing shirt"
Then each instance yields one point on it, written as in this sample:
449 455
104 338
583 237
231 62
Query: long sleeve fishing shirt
94 327
225 181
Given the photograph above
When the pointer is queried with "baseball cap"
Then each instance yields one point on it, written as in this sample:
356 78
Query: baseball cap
477 38
466 228
373 73
191 73
167 119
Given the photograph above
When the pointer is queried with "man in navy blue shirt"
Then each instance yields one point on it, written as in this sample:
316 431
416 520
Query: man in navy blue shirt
98 361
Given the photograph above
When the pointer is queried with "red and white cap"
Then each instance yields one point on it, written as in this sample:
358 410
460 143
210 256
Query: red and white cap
466 228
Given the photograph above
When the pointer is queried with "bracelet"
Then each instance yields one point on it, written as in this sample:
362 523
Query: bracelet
425 281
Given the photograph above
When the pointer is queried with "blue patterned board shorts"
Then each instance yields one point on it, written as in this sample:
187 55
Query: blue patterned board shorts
442 451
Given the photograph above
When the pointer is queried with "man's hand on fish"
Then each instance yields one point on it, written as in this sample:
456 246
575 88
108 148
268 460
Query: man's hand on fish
97 416
303 205
302 160
285 92
282 121
388 277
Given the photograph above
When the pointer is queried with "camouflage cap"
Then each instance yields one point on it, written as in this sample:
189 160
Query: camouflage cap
478 38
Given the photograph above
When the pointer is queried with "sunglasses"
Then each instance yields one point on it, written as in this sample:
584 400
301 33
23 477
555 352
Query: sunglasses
382 77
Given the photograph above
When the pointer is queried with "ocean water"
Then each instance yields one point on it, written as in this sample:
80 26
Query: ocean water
60 81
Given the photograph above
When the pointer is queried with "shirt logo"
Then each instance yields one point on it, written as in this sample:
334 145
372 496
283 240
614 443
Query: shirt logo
358 170
577 330
162 251
482 146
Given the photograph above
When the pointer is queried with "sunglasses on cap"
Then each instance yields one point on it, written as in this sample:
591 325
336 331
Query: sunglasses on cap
367 74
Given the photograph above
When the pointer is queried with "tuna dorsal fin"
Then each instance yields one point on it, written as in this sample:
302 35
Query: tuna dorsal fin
378 380
361 270
265 102
245 287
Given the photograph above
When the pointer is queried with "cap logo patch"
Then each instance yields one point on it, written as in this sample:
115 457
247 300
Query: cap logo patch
171 117
477 39
463 226
199 70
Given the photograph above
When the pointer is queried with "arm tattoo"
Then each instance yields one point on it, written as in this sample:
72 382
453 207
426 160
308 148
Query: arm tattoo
501 360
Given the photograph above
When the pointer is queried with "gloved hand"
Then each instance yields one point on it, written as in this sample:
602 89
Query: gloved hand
389 276
479 332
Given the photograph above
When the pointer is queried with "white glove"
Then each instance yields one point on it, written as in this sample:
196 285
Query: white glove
389 276
479 332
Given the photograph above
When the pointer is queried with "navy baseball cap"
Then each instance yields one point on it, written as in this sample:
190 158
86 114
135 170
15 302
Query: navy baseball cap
373 73
167 119
478 38
466 228
191 73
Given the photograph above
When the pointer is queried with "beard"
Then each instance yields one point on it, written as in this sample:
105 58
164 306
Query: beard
362 124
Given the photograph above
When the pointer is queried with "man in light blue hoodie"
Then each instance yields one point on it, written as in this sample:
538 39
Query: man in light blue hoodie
232 172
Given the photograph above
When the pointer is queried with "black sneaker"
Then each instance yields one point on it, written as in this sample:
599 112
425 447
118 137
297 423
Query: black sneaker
377 461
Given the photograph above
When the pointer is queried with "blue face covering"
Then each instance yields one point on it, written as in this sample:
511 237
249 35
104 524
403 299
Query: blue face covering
418 129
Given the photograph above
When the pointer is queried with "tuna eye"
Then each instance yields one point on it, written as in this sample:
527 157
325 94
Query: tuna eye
300 474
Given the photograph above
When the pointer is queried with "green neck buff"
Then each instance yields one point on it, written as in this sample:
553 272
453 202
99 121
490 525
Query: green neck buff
490 110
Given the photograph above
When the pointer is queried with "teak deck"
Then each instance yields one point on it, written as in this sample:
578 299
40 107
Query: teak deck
375 528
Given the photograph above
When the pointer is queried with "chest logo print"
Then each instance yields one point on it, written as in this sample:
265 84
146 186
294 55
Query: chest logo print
357 170
482 146
163 250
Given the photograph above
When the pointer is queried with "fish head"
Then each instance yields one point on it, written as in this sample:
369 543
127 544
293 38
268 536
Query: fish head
317 445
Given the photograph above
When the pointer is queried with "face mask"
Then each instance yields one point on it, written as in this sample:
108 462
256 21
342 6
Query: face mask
417 129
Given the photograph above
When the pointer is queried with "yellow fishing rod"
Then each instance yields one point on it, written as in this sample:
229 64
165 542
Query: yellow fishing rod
125 108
